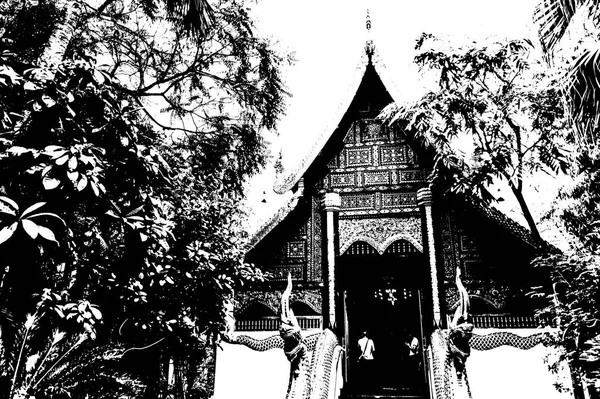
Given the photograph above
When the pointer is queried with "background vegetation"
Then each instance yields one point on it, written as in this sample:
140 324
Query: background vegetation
127 129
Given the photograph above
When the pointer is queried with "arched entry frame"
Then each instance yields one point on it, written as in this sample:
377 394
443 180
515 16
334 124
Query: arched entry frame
381 246
383 279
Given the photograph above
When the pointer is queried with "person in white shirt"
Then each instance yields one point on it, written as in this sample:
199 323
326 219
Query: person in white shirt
413 346
366 348
414 358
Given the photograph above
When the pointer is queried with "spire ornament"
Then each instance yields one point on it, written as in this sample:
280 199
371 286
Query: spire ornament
369 45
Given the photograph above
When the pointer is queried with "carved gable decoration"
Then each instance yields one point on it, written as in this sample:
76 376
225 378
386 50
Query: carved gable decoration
293 245
286 249
376 171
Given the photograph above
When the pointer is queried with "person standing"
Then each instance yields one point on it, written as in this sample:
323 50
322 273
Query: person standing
366 360
414 356
413 346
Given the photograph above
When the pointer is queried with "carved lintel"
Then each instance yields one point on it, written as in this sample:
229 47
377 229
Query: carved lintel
380 232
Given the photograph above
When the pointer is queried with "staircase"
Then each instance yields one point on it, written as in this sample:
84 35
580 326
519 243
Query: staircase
396 393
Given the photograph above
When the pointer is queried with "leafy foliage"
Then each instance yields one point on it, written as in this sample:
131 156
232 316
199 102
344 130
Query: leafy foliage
575 302
574 305
581 87
65 364
107 207
497 101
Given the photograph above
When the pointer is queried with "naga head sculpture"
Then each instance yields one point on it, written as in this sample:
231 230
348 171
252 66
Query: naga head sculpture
461 328
290 331
461 315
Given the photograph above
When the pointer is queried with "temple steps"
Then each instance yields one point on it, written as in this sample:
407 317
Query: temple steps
396 394
382 396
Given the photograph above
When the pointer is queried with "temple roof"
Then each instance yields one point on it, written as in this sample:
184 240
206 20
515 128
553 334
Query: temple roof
274 220
369 63
289 179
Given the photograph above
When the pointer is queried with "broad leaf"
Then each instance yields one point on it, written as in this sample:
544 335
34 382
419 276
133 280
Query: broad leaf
97 314
62 160
82 183
72 163
47 234
48 214
7 232
73 176
30 228
16 150
50 183
32 208
13 205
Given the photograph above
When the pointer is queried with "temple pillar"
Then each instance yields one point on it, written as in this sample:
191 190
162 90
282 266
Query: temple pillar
330 204
424 199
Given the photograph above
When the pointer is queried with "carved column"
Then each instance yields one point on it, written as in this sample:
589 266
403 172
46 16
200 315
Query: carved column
331 206
424 199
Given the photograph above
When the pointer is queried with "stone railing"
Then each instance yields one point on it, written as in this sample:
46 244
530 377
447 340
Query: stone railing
504 321
271 323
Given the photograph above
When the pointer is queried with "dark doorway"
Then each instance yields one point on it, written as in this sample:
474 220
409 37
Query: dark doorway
382 295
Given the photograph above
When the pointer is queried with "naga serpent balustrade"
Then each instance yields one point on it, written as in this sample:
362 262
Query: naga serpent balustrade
313 360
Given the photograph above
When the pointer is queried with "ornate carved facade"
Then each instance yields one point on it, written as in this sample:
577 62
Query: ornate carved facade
376 171
370 245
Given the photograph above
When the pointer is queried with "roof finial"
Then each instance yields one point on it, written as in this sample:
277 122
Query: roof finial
369 46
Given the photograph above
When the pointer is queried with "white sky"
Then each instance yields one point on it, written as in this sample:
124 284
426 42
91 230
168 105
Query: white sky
328 37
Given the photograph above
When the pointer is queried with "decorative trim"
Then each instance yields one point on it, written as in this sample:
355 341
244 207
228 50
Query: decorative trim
425 199
273 221
315 268
330 264
505 338
331 202
380 232
311 298
375 212
424 196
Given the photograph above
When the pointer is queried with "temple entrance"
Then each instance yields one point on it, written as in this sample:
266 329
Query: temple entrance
382 295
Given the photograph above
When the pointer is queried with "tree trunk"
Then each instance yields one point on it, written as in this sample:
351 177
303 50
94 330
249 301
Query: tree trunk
55 49
527 214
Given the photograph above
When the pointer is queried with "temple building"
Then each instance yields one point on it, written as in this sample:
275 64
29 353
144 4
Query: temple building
371 246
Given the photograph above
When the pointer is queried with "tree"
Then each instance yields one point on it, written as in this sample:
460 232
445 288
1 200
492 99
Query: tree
500 101
575 274
138 212
574 303
581 87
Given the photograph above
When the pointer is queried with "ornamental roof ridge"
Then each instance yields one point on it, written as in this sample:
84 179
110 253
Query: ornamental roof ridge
274 220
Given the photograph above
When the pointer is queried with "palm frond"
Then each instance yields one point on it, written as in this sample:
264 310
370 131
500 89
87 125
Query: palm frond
554 17
197 16
93 368
583 94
